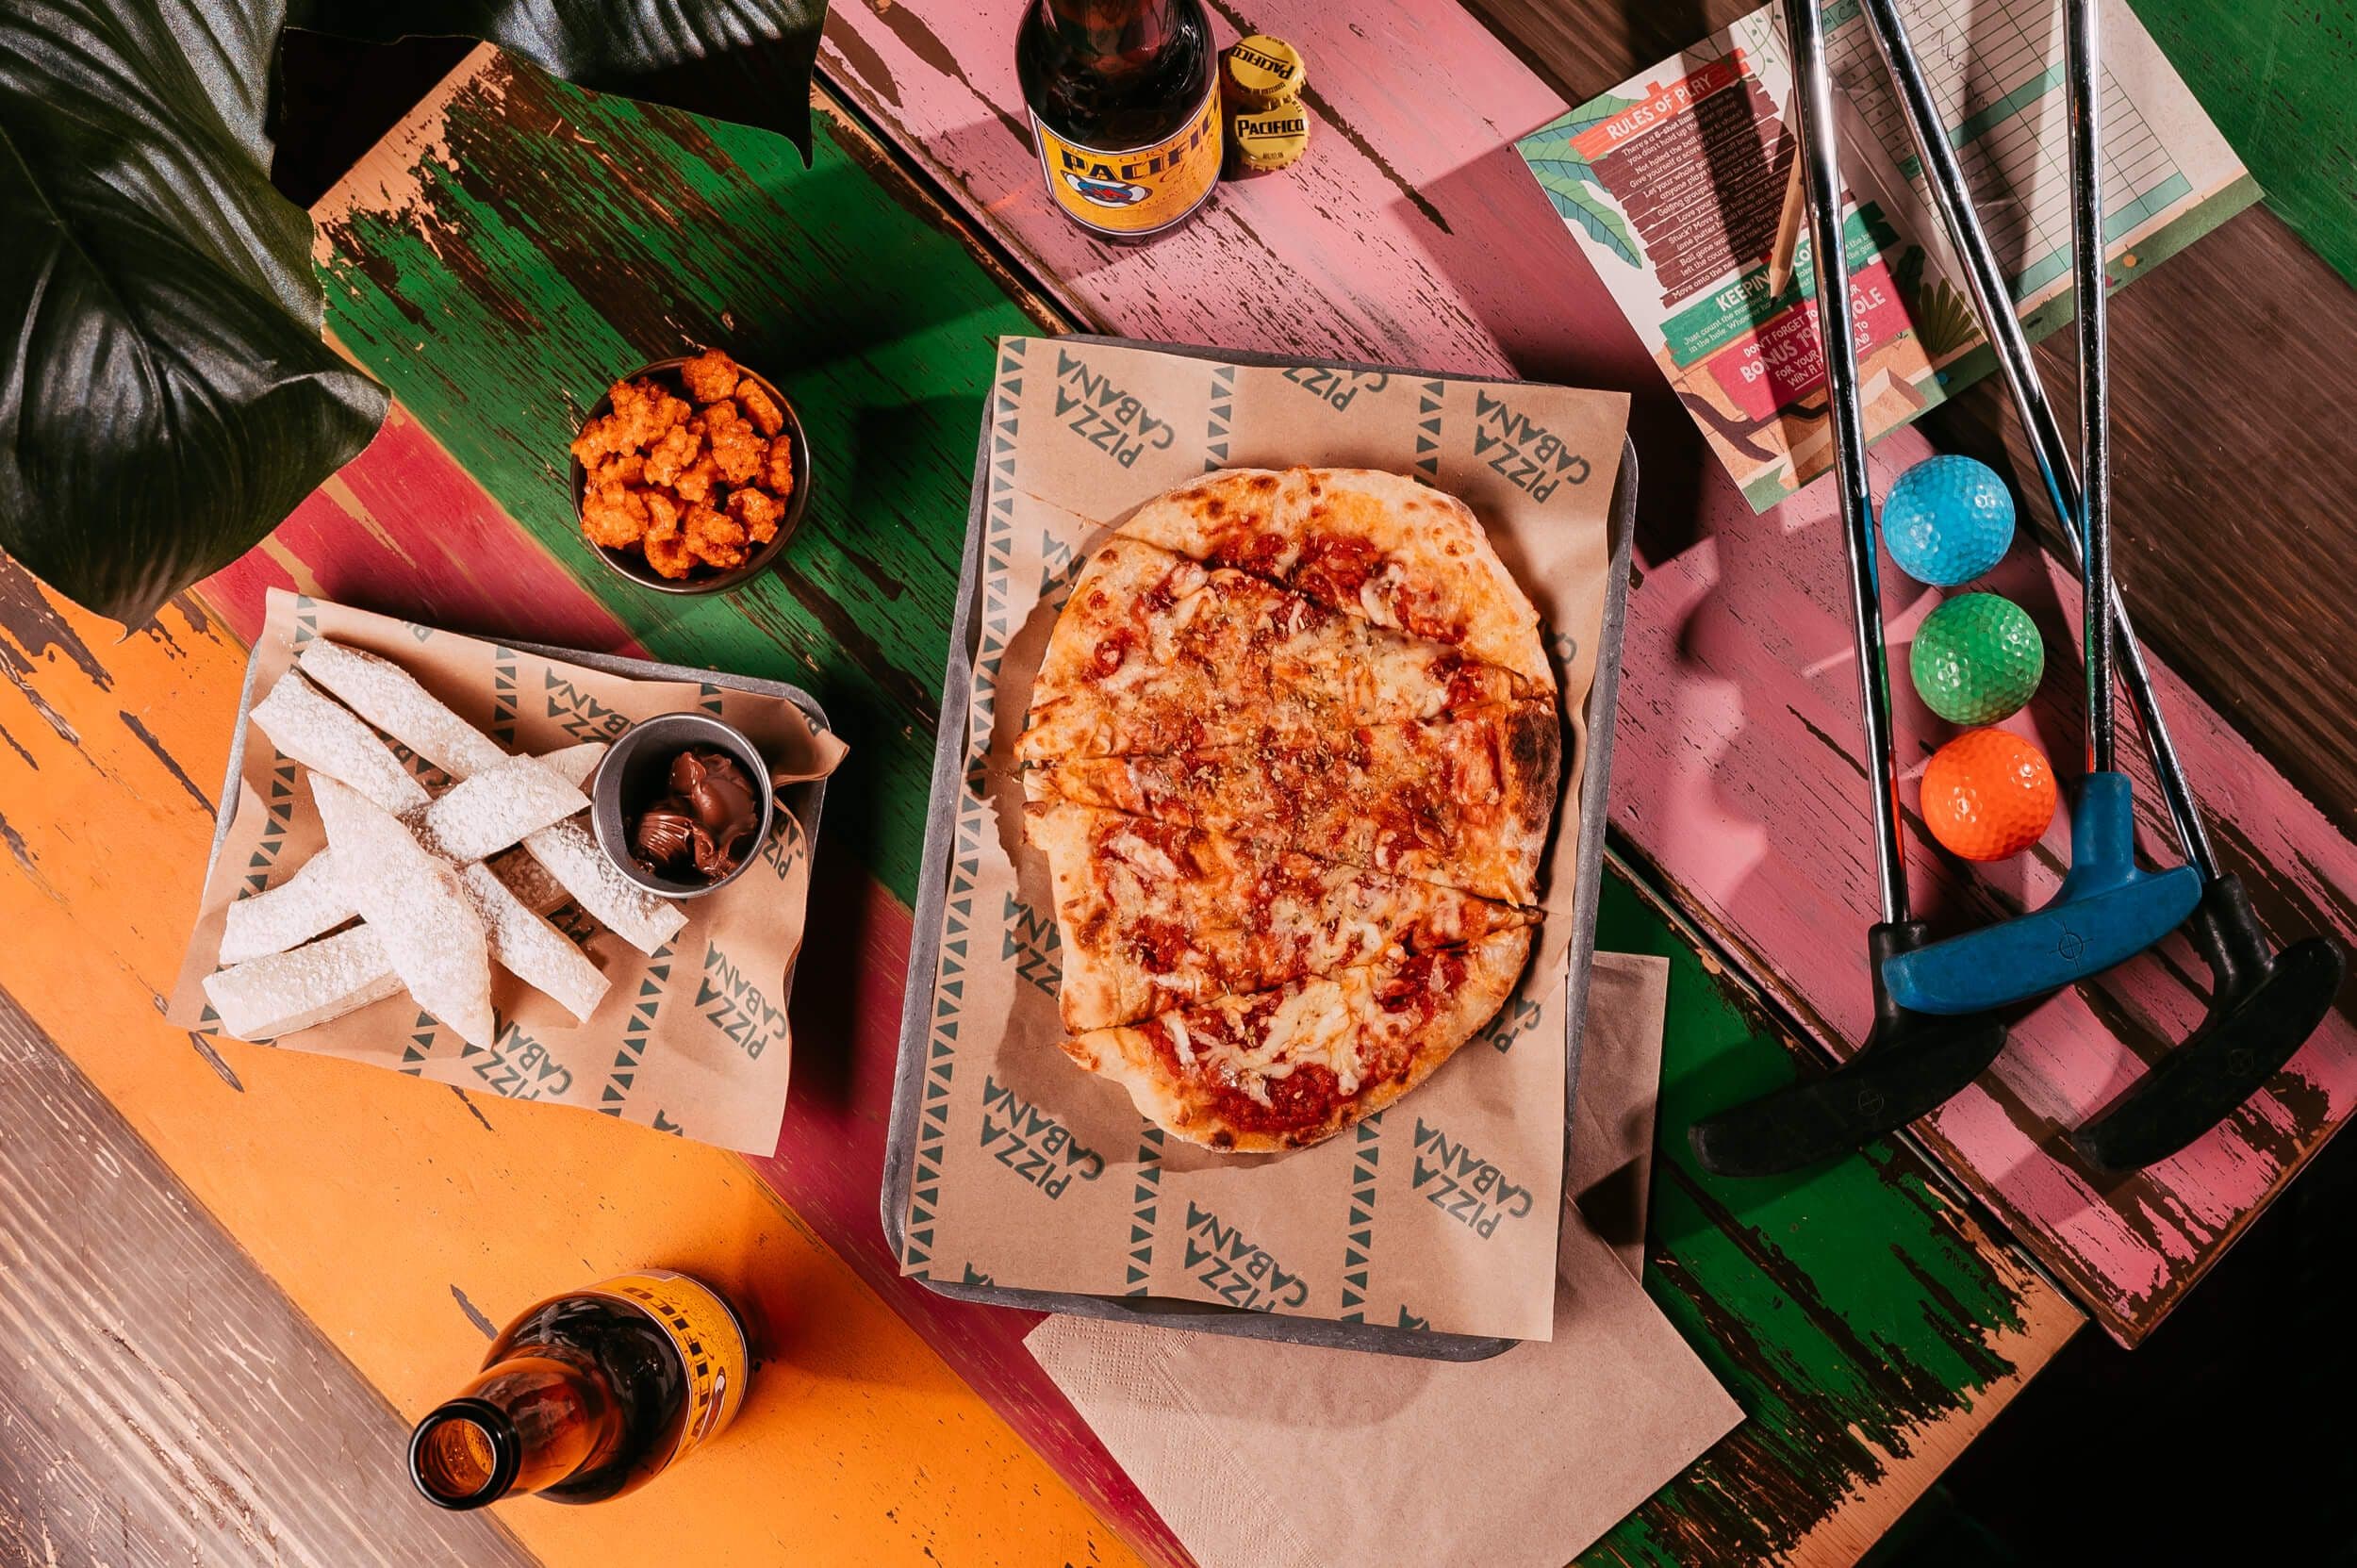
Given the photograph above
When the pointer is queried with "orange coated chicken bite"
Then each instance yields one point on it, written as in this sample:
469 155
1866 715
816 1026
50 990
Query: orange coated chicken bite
716 539
710 377
613 516
760 407
679 448
757 512
777 468
737 447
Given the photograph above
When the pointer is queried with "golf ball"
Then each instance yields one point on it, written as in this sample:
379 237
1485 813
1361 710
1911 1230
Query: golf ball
1948 520
1987 795
1977 659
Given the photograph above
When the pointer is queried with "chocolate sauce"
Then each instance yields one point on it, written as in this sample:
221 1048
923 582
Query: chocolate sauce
704 829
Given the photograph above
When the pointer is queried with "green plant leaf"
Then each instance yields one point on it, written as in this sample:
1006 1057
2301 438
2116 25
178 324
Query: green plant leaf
165 396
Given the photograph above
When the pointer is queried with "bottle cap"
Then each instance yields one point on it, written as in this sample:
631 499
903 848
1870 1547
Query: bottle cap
1270 139
1257 71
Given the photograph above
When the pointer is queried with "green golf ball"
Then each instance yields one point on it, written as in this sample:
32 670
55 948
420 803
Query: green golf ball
1977 658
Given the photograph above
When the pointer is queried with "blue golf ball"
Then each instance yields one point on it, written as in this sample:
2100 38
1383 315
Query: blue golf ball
1947 520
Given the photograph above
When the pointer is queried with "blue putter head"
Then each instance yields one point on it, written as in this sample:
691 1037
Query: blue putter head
2106 911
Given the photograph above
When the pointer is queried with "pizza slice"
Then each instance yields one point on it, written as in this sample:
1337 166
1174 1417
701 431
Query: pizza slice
1372 545
1463 800
1292 1066
1157 652
1155 915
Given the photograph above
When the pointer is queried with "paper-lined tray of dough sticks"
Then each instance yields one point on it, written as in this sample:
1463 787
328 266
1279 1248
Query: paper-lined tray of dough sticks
405 874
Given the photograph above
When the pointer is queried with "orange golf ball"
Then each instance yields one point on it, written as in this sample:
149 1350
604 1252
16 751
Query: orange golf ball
1988 794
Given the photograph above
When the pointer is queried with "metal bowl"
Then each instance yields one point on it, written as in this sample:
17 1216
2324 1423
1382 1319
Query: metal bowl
633 565
635 771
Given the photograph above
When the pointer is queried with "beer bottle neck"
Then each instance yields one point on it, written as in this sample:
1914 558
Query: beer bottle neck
524 1425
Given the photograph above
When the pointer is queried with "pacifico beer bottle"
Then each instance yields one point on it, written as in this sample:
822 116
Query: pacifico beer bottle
587 1395
1125 110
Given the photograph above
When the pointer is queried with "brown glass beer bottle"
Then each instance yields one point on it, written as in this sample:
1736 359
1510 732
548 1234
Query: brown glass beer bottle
1125 110
587 1395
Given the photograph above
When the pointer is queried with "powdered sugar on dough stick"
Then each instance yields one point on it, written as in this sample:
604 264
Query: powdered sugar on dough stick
531 949
310 902
390 698
323 737
288 991
635 914
483 815
431 935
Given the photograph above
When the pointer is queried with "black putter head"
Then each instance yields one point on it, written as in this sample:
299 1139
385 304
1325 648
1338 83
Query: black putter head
2263 1007
1910 1065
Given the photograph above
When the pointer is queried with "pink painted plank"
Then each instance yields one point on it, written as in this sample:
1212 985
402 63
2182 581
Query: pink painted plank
1412 235
404 529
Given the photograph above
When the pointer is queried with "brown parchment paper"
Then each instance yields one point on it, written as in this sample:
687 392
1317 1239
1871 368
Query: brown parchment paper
1441 1213
692 1040
1281 1456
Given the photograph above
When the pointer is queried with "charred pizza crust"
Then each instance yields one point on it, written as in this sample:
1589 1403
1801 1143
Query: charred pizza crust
1463 800
1292 1066
1155 651
1369 544
1155 915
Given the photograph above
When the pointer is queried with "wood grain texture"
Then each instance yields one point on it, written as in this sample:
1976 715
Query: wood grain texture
406 1218
162 1403
1860 1399
1411 234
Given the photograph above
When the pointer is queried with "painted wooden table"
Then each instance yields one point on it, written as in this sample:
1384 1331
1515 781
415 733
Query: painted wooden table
235 1273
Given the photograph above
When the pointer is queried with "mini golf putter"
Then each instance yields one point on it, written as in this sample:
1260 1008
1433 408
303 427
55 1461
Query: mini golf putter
1910 1064
2263 1005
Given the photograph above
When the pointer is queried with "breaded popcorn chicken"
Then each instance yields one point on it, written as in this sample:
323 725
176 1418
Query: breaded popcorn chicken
613 516
759 407
757 513
737 447
679 446
690 482
713 537
710 377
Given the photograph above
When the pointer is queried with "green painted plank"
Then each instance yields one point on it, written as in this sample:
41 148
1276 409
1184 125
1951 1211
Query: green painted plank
555 239
2275 75
1845 1308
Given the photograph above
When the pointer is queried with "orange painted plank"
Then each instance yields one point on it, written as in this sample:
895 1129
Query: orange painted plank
402 1216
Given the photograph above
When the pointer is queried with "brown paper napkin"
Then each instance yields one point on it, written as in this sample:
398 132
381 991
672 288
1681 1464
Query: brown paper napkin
1260 1455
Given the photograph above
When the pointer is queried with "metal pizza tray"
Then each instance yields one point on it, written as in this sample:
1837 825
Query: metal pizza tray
802 800
925 944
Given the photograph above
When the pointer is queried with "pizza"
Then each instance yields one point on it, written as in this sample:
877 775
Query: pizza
1463 800
1363 542
1292 1066
1292 757
1155 651
1156 916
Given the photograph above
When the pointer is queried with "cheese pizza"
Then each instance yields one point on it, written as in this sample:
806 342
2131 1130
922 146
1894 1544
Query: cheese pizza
1464 800
1156 652
1292 1066
1292 756
1156 916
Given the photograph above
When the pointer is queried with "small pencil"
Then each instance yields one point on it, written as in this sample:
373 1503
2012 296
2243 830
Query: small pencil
1780 255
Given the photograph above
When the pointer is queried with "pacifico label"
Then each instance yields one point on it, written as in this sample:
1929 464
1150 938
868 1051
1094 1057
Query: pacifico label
710 1341
1137 192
